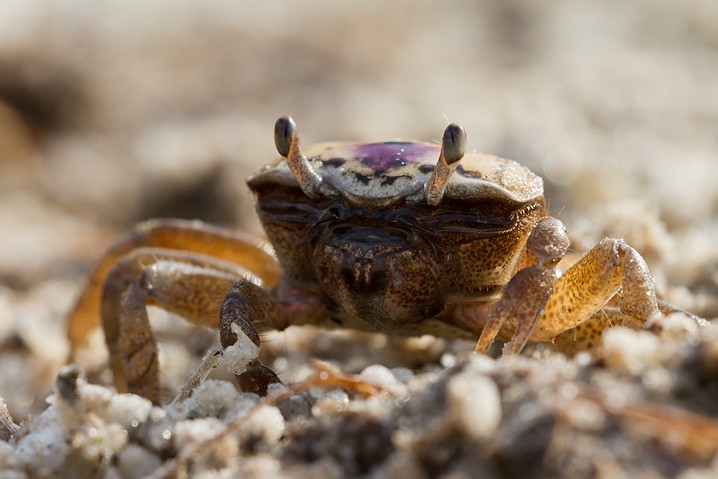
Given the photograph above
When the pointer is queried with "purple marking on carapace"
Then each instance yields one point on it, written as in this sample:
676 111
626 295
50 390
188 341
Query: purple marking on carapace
393 154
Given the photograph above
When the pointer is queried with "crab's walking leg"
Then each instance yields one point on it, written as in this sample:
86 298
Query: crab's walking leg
247 307
538 305
522 303
191 285
587 335
525 296
611 265
181 235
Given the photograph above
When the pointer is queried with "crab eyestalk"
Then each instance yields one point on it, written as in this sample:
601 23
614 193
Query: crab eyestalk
453 146
286 139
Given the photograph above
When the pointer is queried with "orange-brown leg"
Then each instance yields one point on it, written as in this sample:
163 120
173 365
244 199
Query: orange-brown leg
525 296
519 309
188 236
188 284
611 266
538 305
587 335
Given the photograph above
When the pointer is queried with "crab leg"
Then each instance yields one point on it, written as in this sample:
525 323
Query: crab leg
523 301
587 336
188 284
612 265
539 305
525 296
541 309
190 236
245 308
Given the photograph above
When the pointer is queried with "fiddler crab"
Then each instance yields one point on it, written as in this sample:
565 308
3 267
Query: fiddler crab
399 237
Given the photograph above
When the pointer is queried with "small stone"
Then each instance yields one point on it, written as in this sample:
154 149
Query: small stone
630 351
381 376
192 432
266 423
128 409
474 405
212 398
135 461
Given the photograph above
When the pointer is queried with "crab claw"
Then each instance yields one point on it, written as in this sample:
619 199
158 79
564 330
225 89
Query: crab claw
286 139
453 146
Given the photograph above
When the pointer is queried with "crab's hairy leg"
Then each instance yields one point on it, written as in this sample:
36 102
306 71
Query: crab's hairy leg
587 335
191 285
610 266
247 308
573 306
527 293
493 315
522 303
524 297
191 236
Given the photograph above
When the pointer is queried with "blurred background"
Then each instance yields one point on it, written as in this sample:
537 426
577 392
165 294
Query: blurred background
116 111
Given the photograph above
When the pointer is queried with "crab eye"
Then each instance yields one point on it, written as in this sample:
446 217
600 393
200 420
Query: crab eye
453 146
284 129
453 143
286 139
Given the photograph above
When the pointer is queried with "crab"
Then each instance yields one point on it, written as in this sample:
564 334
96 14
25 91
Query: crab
401 237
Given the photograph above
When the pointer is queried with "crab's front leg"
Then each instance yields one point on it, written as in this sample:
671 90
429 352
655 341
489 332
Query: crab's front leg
246 308
191 285
188 284
176 235
538 304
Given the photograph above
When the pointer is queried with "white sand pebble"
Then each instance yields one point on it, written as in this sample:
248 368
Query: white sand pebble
135 461
237 357
383 377
266 423
474 404
98 441
192 432
212 397
90 398
678 326
261 465
630 351
128 409
77 423
42 450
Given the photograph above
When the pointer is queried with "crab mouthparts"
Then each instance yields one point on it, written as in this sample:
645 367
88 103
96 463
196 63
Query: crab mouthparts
382 277
359 274
365 251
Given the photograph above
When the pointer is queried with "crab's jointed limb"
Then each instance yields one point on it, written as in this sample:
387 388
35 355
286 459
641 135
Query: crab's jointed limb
245 308
189 285
186 282
175 235
538 304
